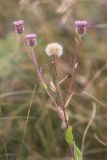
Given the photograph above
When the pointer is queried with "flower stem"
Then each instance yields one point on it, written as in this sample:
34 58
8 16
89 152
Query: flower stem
75 64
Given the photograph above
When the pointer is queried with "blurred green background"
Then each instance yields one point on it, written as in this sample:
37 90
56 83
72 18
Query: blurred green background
52 21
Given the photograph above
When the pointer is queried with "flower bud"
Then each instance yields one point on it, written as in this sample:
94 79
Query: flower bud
81 27
31 39
19 26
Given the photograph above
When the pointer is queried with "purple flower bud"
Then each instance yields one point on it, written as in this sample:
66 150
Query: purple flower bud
19 26
31 39
81 27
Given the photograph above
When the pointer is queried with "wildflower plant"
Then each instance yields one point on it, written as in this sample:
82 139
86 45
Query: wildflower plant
55 50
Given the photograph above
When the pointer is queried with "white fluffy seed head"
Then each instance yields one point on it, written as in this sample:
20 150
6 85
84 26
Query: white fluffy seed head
54 49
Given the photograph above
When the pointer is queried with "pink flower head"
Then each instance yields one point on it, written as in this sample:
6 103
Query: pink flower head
81 27
19 26
31 39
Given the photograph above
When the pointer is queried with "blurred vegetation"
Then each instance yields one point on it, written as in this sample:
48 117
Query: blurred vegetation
53 21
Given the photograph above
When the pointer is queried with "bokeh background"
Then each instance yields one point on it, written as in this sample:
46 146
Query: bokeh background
52 21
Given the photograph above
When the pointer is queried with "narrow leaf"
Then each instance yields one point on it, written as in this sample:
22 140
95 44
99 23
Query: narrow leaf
69 135
68 100
62 80
53 86
77 153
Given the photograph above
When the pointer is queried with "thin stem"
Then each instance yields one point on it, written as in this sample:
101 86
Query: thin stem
73 73
28 114
56 76
43 81
34 60
27 120
55 68
88 126
100 140
59 92
26 46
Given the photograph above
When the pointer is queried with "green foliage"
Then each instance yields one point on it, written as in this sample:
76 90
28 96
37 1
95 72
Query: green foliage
69 139
69 135
77 153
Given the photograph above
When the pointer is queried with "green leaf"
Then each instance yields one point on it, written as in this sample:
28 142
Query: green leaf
77 153
69 135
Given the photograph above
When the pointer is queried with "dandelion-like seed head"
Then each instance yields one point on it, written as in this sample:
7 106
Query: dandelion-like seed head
31 39
19 26
54 49
81 27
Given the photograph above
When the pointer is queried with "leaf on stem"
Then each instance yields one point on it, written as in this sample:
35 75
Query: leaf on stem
77 153
69 135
